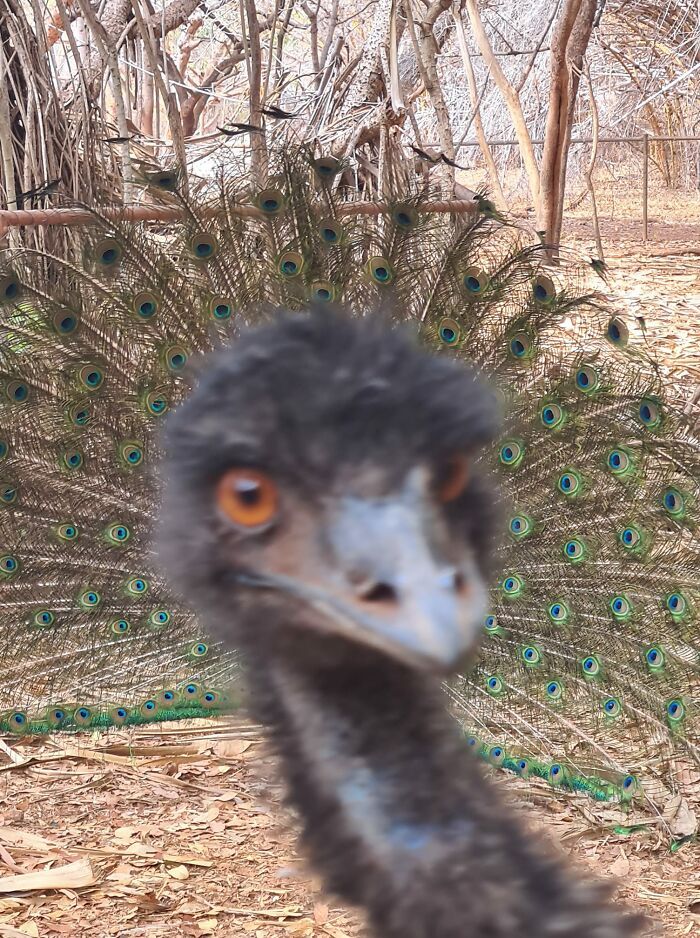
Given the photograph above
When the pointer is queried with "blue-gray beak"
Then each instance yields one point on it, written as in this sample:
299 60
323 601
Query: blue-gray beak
384 583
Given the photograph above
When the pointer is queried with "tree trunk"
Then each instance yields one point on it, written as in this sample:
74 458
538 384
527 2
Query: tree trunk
572 33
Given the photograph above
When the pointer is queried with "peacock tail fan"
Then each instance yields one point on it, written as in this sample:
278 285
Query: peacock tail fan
589 672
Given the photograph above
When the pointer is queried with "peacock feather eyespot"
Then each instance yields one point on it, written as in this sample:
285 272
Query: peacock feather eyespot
17 392
521 346
523 768
145 305
220 308
166 698
203 246
520 527
552 416
44 618
674 503
621 608
121 626
270 201
473 742
591 666
18 722
587 379
90 599
4 449
679 606
156 403
531 656
543 289
331 231
557 774
9 566
570 483
119 715
91 377
630 786
633 539
175 357
475 280
210 698
108 253
655 658
191 691
8 493
149 708
130 453
159 618
559 612
56 716
404 216
612 707
10 288
380 271
199 650
290 264
449 332
675 711
322 291
65 323
620 462
575 550
554 690
511 454
117 534
494 685
82 716
326 167
512 586
72 459
617 332
79 415
67 532
137 586
491 625
497 755
650 413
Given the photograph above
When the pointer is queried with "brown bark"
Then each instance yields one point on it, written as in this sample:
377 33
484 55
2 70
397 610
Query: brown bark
258 166
572 32
426 49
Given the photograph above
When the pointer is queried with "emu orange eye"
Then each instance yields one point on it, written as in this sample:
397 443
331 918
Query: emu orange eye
454 478
247 497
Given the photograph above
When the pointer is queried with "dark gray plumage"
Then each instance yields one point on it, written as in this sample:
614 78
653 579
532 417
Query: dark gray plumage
359 594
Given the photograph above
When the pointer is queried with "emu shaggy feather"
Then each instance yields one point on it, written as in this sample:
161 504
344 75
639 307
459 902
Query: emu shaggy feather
396 813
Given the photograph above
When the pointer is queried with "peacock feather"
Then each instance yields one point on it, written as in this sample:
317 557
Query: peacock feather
589 673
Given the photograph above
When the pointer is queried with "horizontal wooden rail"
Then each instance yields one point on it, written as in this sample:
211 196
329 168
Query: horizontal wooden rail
69 217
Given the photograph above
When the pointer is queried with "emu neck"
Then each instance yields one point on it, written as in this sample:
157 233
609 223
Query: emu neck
396 813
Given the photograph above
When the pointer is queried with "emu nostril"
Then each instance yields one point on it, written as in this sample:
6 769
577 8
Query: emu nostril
379 593
459 583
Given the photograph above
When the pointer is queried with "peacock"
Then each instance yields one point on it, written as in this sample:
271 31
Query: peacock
587 672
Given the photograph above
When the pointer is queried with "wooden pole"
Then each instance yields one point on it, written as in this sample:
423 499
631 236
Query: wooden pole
131 213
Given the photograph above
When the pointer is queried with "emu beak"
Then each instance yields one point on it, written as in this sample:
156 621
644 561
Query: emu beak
381 585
